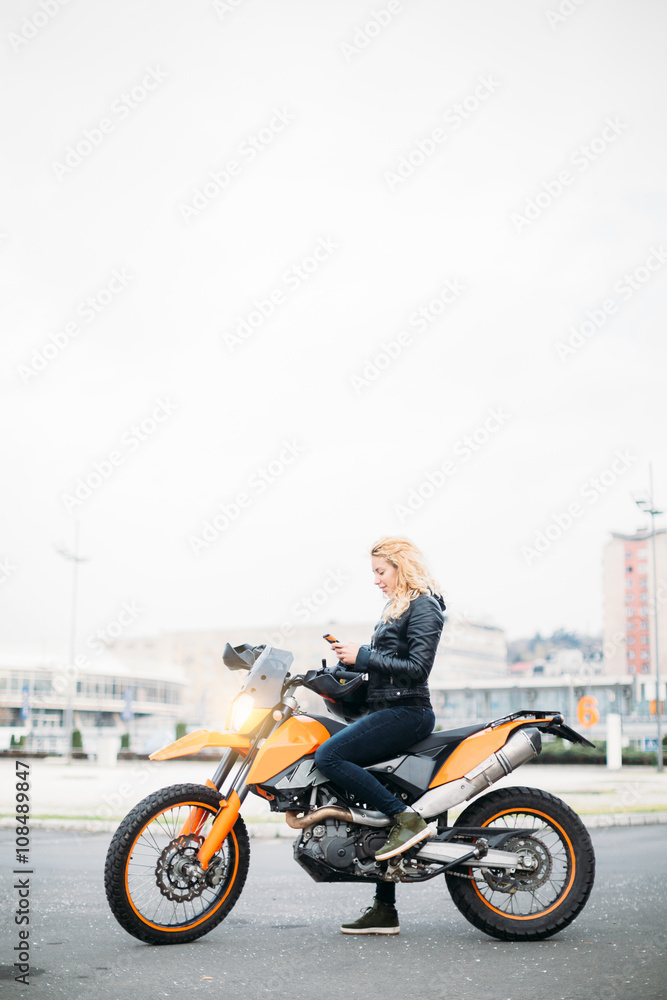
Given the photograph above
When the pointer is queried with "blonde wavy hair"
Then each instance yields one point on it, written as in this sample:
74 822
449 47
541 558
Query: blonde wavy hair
412 575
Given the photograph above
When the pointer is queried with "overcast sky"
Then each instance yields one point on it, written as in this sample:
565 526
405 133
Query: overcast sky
282 277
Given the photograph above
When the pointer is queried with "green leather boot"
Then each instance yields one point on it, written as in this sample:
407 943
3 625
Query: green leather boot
380 918
408 829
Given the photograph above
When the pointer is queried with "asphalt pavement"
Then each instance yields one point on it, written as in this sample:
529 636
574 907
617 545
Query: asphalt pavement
282 939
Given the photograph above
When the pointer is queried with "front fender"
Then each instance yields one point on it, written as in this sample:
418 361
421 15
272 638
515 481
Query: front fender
199 740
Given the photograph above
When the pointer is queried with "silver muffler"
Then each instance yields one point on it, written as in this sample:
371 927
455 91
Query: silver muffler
520 747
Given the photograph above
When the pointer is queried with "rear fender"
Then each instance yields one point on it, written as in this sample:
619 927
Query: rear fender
201 739
476 748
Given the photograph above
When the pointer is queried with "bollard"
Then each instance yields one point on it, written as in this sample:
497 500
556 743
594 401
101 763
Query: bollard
107 750
614 744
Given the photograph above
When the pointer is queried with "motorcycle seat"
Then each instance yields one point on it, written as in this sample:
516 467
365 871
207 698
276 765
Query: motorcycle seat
440 739
435 740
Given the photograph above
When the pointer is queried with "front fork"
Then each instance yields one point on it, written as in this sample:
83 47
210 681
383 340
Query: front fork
229 811
230 804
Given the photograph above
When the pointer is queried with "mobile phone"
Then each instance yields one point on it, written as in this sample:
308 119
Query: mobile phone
329 638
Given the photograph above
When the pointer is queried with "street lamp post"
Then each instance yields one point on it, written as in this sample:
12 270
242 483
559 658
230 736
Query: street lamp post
648 506
75 559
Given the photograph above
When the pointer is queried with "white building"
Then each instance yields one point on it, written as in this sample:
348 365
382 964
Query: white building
467 649
34 694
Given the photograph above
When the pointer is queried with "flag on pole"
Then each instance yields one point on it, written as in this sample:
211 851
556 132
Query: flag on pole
127 714
25 703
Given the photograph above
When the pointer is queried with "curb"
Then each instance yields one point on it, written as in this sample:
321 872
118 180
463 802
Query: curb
280 830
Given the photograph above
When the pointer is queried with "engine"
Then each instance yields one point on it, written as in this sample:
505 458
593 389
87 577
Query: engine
335 851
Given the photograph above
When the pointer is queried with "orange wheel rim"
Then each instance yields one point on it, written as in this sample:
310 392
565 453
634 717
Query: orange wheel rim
209 913
564 892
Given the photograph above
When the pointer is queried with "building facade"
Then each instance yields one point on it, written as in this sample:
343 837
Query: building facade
629 617
106 697
467 649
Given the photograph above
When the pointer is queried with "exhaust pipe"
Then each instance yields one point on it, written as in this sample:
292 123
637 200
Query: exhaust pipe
362 817
316 816
522 746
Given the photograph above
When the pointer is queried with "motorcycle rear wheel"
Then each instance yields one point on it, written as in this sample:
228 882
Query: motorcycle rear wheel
532 906
151 882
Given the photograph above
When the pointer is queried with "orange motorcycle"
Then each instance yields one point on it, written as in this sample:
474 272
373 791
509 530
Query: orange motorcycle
518 862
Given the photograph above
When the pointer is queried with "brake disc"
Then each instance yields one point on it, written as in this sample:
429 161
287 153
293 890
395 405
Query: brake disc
537 861
178 873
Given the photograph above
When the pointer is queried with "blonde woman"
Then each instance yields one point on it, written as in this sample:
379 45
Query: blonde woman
398 661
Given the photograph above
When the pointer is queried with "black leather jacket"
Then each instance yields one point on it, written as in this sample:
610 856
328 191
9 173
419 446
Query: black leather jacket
400 655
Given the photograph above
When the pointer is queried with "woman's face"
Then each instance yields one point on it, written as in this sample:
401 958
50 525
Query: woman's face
385 575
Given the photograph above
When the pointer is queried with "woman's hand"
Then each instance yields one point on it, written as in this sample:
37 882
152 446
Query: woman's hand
346 652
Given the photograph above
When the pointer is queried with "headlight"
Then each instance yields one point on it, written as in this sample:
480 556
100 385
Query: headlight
241 709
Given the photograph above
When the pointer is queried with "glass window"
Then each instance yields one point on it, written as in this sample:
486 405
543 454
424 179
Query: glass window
645 654
628 569
642 553
642 567
630 640
644 639
629 598
631 654
628 553
629 612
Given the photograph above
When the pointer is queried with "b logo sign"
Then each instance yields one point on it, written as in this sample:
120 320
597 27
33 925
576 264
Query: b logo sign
587 711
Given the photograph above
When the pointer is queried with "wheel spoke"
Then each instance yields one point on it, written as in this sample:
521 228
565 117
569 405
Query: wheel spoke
160 890
541 887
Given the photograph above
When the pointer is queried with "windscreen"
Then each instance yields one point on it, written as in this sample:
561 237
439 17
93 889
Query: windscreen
266 677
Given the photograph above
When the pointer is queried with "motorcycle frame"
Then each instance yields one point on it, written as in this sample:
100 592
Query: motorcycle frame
474 754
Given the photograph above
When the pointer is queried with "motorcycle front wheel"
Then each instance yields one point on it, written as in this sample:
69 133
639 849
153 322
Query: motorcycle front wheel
156 890
532 903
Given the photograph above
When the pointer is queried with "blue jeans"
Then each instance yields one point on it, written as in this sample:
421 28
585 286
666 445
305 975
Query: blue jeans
370 740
